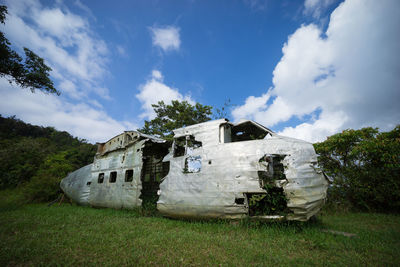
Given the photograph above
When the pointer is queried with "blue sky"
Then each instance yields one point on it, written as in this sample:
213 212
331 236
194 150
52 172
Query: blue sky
306 69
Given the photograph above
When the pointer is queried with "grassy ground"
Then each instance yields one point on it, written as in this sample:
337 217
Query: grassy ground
71 235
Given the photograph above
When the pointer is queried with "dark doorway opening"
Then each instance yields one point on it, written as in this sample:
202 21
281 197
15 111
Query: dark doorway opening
153 171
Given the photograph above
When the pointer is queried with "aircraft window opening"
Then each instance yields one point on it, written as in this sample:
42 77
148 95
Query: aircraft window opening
129 175
100 179
239 201
272 169
113 177
179 146
184 145
247 131
192 164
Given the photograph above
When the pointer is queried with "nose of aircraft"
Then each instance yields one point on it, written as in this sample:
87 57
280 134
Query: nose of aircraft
77 185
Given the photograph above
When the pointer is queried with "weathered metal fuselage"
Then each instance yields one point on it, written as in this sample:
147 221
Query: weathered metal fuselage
213 170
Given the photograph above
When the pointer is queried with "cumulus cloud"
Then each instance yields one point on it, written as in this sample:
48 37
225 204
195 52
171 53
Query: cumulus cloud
167 38
253 105
63 39
155 90
79 119
349 74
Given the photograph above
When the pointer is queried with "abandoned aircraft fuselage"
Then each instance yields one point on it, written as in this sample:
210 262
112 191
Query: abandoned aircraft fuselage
214 169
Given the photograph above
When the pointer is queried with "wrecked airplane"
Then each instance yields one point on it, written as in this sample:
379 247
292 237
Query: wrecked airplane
214 169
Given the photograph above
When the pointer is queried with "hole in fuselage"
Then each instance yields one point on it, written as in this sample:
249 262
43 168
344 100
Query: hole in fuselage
274 201
239 201
153 170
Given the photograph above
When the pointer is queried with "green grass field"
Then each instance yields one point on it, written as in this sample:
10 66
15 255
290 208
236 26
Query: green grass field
71 235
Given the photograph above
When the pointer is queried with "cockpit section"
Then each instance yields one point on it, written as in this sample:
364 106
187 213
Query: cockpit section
243 131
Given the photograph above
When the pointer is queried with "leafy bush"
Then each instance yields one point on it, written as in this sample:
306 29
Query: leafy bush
365 165
45 185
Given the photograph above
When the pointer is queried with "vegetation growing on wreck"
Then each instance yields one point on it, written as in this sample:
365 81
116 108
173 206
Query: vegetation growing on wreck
274 202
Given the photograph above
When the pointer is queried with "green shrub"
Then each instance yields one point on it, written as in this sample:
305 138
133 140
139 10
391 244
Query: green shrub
365 165
45 185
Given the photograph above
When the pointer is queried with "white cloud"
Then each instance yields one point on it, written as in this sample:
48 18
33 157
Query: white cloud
63 39
166 37
78 119
59 24
252 105
69 87
155 90
316 7
157 75
351 76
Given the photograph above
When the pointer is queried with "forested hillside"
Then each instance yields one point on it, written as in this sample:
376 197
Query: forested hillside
36 158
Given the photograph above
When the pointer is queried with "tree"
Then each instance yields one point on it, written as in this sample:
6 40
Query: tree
45 184
173 116
31 73
365 165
